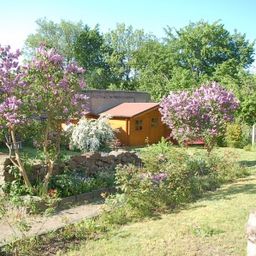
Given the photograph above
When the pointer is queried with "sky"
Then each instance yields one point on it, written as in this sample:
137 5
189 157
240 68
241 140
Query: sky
17 18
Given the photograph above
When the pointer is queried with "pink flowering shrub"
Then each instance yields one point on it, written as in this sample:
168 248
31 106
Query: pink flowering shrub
47 91
54 95
12 107
202 113
11 85
55 90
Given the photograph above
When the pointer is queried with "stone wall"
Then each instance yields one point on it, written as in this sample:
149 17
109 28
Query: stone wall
89 164
4 174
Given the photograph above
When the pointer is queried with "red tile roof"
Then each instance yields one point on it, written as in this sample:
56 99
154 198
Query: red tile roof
130 109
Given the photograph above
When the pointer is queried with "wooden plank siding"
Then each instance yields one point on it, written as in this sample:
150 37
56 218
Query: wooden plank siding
152 128
136 124
121 129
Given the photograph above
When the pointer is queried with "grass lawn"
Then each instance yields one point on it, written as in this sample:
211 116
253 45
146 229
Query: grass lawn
214 225
34 153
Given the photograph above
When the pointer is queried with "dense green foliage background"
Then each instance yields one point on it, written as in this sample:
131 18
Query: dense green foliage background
129 59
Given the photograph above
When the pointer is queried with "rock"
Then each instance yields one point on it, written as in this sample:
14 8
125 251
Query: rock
88 163
251 234
4 159
117 152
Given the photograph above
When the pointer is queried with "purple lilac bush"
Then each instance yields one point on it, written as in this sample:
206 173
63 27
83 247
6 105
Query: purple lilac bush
56 94
11 86
202 113
47 90
12 111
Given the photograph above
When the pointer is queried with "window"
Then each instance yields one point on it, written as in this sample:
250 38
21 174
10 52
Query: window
138 125
154 122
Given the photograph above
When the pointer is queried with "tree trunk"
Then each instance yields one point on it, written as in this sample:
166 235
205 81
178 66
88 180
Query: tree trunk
17 158
253 134
50 160
251 234
58 141
48 175
46 155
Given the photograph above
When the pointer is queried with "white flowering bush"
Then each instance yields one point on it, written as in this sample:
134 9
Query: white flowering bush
92 135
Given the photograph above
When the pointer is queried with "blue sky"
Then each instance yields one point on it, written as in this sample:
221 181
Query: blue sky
17 18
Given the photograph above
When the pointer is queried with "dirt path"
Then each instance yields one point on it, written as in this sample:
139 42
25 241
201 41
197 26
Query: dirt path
43 224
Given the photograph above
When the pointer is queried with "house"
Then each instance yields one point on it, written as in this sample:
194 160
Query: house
135 118
137 123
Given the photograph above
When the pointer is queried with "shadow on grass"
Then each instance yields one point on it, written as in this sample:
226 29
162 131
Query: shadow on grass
248 163
231 191
226 193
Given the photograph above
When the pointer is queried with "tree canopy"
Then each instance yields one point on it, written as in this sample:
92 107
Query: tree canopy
129 59
89 52
60 36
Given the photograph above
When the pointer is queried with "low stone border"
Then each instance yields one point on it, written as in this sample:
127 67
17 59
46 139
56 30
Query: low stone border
88 164
88 206
81 198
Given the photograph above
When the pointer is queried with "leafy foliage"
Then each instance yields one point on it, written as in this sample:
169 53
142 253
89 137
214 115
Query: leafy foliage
248 109
90 51
124 42
201 47
128 59
237 135
168 179
74 183
190 56
60 36
54 94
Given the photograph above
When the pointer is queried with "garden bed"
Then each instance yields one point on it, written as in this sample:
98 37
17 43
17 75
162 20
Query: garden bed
88 197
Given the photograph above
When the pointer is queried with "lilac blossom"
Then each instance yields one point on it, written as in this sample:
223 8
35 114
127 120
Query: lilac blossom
159 177
12 85
202 113
58 84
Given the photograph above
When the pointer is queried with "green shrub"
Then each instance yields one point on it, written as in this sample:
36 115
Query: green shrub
250 147
237 135
169 177
73 183
227 167
117 211
157 156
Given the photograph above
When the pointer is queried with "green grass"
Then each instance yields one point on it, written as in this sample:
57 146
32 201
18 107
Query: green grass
214 225
33 153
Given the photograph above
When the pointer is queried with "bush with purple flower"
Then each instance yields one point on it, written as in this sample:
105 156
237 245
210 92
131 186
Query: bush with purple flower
55 94
202 113
12 107
47 91
159 177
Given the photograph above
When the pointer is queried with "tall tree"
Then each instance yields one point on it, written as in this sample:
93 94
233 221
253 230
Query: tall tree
89 52
60 36
12 109
198 53
124 42
201 47
153 66
54 95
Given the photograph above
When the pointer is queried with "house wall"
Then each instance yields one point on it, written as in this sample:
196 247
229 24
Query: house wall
128 135
126 131
101 100
150 133
121 129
